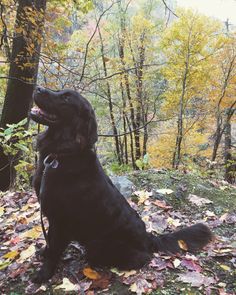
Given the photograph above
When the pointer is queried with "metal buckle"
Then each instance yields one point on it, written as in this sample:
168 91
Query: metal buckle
51 161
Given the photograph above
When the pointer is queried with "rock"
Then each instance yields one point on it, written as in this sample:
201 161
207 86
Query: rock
124 185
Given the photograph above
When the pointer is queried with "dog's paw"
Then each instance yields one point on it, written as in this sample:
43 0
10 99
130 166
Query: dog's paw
43 275
43 252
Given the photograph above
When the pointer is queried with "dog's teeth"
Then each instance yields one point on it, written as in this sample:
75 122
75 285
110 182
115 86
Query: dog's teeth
35 110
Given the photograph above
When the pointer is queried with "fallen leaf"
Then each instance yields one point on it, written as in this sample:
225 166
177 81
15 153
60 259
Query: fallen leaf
67 286
191 265
161 204
15 240
129 273
133 288
22 220
176 262
196 279
11 255
183 245
224 250
176 222
4 264
224 217
103 282
41 288
117 272
198 200
225 267
30 251
140 287
33 233
142 196
1 211
157 224
210 213
91 274
229 218
164 191
19 271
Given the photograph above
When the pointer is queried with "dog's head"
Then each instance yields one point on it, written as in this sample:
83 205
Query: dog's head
66 111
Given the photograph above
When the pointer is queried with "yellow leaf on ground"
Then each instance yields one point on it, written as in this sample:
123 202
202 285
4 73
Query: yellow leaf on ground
91 274
30 251
1 211
33 233
4 264
182 245
11 255
225 267
142 196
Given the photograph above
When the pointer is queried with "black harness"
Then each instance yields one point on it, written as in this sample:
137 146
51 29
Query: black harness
50 162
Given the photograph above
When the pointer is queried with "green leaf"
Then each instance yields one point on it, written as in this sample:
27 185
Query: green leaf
22 147
139 164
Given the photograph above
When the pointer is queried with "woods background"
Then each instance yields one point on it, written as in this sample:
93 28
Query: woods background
161 79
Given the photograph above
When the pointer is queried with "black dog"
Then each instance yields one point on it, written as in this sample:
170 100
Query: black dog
80 201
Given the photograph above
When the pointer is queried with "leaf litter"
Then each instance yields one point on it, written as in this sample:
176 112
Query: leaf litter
21 237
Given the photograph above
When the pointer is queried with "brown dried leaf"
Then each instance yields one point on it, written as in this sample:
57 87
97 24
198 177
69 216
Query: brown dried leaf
161 204
91 274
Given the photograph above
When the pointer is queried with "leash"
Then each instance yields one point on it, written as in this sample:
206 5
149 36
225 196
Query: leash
49 162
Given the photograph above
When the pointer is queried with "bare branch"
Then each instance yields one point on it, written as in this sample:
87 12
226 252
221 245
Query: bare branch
91 38
168 8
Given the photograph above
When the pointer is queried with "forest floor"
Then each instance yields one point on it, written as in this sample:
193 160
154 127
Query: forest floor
166 201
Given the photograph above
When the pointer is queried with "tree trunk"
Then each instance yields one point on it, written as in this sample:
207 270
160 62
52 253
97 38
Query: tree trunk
112 116
217 139
126 160
230 167
179 137
128 91
23 71
145 134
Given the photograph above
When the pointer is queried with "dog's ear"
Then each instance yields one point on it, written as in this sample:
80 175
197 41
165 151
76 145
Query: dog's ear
92 129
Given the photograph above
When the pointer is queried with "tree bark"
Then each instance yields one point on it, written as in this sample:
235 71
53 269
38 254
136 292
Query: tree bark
179 137
230 161
23 71
112 116
128 91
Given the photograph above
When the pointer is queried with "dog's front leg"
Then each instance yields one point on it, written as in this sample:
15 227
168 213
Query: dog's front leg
57 244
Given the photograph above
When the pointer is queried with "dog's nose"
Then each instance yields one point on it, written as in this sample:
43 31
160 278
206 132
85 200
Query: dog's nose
40 89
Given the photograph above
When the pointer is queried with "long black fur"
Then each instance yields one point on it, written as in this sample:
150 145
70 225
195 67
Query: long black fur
80 201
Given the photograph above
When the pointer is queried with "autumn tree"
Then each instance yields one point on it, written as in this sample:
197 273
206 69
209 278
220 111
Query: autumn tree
222 98
24 59
132 71
188 45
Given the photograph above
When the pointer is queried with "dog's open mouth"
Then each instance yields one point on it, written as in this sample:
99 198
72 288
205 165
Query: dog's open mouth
43 117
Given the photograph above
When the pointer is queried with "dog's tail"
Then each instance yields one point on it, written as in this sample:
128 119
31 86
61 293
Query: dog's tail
190 239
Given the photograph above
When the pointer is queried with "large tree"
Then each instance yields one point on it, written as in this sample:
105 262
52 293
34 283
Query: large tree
24 60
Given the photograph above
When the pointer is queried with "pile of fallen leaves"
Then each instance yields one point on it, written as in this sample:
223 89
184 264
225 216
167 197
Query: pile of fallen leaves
210 272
